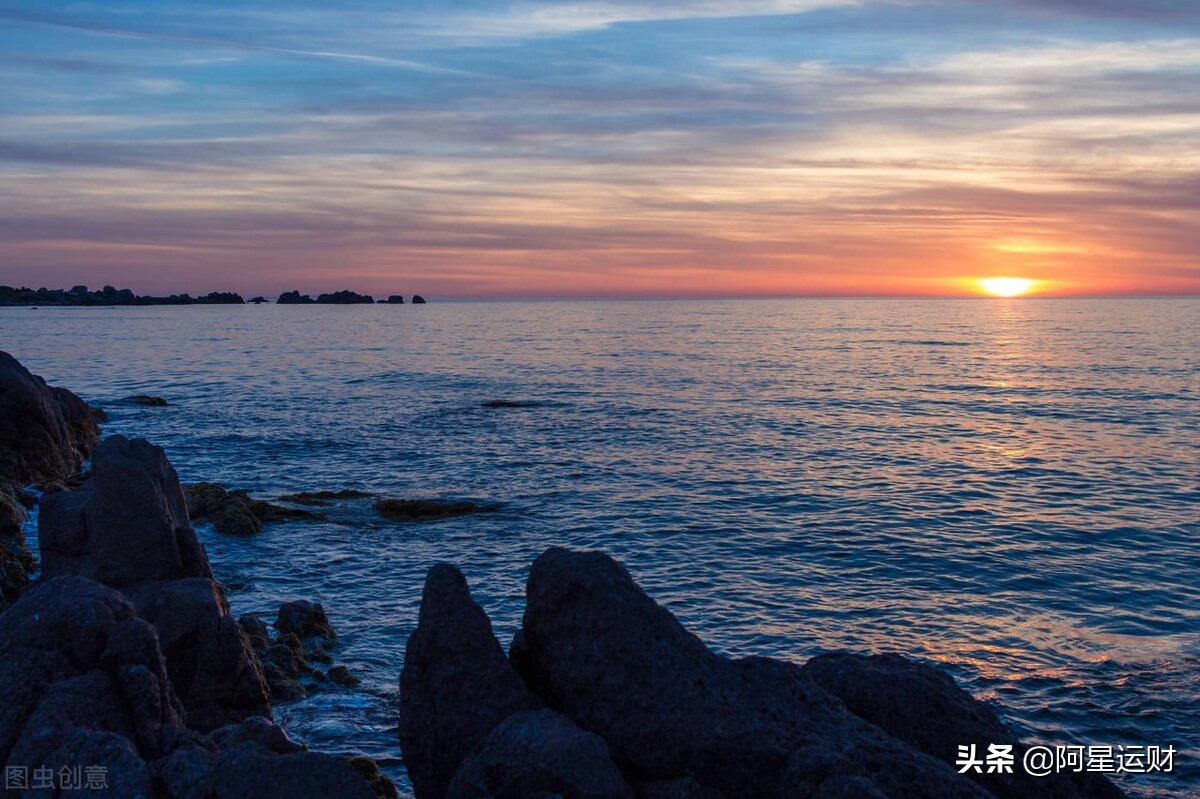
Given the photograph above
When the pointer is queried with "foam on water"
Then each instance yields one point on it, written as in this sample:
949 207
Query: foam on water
1007 488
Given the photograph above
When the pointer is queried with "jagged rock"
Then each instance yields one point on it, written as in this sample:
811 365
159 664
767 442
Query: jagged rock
257 300
294 298
925 708
211 664
596 648
146 401
45 433
127 524
127 527
304 635
539 753
456 685
419 510
236 512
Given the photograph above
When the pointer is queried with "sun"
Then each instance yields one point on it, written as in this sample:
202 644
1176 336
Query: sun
1006 286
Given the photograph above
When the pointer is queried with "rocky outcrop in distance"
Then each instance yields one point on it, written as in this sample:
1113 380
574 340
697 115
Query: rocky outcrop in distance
81 296
344 297
605 694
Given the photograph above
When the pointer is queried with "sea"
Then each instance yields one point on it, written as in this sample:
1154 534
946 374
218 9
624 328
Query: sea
1007 489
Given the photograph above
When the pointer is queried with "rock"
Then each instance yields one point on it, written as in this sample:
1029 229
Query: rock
16 561
323 498
509 404
925 708
344 298
380 783
82 674
343 677
596 648
395 299
257 300
256 759
456 685
236 512
539 753
678 788
212 665
147 401
127 524
305 620
45 433
294 298
418 299
418 510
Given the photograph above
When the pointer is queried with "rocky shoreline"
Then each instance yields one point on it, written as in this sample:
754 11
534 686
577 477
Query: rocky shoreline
81 296
123 654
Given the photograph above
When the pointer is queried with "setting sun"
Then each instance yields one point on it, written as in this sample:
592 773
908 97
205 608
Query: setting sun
1006 286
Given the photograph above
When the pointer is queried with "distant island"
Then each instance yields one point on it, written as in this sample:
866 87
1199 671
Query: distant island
81 296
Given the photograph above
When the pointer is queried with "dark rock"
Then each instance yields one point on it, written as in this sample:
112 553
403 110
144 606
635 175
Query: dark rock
510 404
236 512
380 783
344 298
81 673
323 498
127 524
678 788
99 414
343 676
257 300
212 665
146 400
418 510
395 299
45 433
456 685
925 708
305 620
418 299
80 296
539 753
596 648
294 298
256 759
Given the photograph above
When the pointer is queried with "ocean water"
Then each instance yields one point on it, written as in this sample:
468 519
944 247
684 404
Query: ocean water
1007 488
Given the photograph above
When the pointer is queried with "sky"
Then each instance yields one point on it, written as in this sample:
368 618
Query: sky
601 149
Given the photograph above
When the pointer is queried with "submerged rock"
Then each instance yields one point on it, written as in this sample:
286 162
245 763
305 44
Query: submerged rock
236 512
323 498
500 403
304 635
539 753
146 400
456 685
417 510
